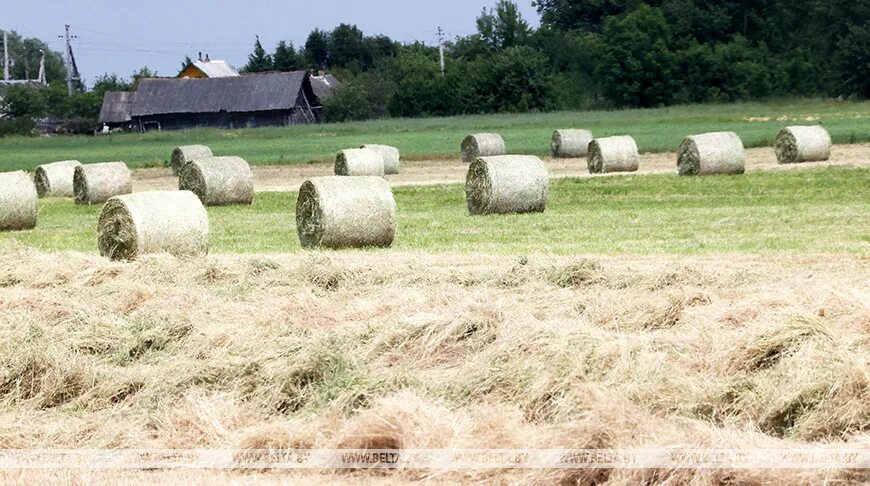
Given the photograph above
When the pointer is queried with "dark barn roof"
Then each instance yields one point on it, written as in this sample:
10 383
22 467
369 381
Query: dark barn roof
250 93
116 107
323 86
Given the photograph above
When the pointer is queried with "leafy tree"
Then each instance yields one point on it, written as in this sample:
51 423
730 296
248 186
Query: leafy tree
316 50
25 54
362 98
503 26
587 16
348 49
853 59
287 59
519 80
24 100
140 75
258 61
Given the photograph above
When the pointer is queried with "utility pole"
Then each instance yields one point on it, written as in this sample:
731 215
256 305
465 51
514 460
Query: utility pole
42 67
68 60
5 56
441 48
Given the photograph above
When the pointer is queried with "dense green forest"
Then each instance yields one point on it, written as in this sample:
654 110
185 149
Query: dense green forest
585 54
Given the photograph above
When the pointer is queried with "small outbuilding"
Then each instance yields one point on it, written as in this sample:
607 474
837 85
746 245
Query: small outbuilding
206 68
116 109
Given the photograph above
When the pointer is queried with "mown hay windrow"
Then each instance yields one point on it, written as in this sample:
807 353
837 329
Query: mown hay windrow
18 201
153 222
803 144
612 154
345 212
186 153
482 145
570 142
218 181
711 153
390 155
96 183
359 162
506 184
56 179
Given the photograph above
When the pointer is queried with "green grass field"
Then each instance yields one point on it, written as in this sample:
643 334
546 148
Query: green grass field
656 130
813 211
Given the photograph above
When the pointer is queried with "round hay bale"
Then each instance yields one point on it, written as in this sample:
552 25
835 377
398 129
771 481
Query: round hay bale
482 145
390 155
218 181
803 144
186 153
56 179
18 201
711 153
153 222
570 143
359 162
96 183
506 184
345 212
612 154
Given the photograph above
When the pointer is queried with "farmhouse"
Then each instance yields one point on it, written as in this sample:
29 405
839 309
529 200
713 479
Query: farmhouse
206 68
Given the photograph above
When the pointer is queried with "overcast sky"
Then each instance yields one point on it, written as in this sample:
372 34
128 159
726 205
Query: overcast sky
121 36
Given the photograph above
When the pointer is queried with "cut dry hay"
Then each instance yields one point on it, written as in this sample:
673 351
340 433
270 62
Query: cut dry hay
186 153
359 162
482 145
172 222
96 183
506 184
390 155
612 154
56 179
711 153
18 201
345 212
218 181
570 143
803 144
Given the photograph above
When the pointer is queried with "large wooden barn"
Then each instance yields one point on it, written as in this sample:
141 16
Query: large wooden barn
254 100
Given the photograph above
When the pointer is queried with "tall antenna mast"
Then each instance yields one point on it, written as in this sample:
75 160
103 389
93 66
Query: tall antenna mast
441 48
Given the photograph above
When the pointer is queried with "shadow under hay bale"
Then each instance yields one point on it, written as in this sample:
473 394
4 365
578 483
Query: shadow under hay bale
18 201
218 181
345 212
803 144
506 184
56 179
359 162
711 153
96 183
390 155
482 145
186 153
612 154
570 143
173 222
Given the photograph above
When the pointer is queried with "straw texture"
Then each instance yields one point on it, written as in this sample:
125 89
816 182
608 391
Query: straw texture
218 181
359 162
612 154
153 222
18 201
570 143
56 179
711 153
482 145
96 183
345 212
506 184
186 153
803 144
390 155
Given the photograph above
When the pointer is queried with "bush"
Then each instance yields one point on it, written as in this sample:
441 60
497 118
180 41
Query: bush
362 98
17 126
79 126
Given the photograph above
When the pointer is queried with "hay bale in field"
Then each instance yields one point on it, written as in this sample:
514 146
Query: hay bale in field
96 183
359 162
803 144
612 154
218 181
186 153
390 155
570 143
18 201
153 222
711 153
345 212
506 184
56 179
482 145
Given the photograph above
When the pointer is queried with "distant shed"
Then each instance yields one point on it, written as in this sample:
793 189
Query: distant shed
117 106
324 85
205 68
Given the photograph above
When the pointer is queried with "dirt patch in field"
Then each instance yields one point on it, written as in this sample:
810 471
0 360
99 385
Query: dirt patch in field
411 350
428 172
